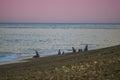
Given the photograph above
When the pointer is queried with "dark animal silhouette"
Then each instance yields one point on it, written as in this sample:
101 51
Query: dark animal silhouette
79 50
73 49
59 52
86 48
37 55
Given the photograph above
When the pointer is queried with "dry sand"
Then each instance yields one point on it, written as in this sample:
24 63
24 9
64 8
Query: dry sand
101 64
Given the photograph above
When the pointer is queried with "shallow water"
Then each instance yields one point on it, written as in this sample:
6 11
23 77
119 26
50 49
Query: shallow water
21 42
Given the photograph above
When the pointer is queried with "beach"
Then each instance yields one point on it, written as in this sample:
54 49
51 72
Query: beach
59 40
19 43
99 64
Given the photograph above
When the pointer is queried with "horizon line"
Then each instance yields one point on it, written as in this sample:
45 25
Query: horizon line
59 23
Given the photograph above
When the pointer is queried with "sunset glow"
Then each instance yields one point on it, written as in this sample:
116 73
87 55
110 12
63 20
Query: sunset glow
60 11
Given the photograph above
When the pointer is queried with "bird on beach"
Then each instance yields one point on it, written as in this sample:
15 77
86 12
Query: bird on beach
37 54
59 52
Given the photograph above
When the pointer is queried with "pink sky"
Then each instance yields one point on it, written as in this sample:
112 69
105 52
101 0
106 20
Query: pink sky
60 11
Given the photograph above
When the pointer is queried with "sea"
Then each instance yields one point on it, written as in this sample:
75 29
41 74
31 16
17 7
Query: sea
21 40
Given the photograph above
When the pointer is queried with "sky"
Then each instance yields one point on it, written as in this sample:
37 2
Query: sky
60 11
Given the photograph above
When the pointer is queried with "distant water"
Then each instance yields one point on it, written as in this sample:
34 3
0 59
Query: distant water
20 40
62 25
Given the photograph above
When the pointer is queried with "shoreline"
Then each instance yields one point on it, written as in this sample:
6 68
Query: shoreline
19 60
26 59
94 64
30 58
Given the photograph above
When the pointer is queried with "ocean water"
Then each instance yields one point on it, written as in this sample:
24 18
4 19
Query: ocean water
21 40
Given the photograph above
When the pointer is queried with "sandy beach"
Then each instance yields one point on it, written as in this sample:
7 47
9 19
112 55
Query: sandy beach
100 64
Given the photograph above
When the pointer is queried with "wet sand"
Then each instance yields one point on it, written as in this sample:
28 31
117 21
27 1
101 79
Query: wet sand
100 64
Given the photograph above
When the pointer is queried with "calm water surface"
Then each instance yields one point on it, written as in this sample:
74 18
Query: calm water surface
21 42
